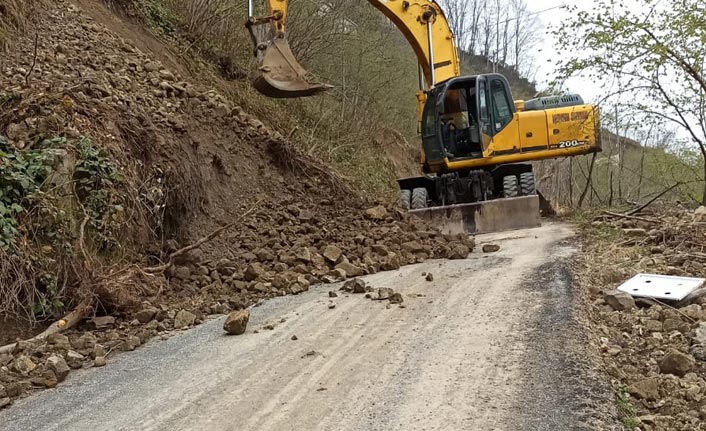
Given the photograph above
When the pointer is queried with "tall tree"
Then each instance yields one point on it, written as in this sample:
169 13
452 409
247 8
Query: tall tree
656 51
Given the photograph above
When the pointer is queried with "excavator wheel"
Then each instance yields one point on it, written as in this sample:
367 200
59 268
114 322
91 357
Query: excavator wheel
527 186
405 199
420 197
511 188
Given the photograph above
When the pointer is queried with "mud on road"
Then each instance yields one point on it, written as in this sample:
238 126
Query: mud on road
492 343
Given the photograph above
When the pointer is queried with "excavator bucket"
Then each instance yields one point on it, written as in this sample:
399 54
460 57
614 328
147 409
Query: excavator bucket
281 76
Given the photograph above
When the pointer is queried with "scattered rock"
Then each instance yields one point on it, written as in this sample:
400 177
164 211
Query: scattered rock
619 301
355 285
396 298
491 248
237 322
332 253
459 251
429 277
100 361
4 402
294 338
59 366
254 271
103 322
332 294
145 315
23 365
647 389
331 305
376 213
350 269
677 363
74 359
184 319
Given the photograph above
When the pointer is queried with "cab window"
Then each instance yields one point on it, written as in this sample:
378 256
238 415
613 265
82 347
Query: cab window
429 126
502 108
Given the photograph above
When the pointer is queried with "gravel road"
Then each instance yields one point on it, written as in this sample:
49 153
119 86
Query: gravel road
492 343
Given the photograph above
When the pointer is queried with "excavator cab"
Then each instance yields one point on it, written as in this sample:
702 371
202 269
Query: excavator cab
461 116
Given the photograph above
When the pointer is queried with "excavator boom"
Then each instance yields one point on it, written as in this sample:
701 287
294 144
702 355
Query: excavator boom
423 24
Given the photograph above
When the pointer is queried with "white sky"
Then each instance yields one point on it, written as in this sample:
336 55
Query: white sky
546 59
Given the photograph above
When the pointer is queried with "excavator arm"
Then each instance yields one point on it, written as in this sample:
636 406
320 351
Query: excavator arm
422 22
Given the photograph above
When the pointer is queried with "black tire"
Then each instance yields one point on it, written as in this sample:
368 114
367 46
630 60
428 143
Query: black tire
405 199
527 186
511 188
420 197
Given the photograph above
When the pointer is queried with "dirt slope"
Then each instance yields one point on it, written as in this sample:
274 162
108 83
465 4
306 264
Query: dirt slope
192 162
492 343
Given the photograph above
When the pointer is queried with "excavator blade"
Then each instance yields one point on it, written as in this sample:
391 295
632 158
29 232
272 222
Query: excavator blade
281 76
485 217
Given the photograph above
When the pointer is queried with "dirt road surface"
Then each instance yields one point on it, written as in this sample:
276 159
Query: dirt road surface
492 343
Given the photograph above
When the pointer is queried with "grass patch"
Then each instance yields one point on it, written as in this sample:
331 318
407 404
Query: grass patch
627 410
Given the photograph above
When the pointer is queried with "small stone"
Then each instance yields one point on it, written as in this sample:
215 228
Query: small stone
677 363
376 213
59 366
413 247
4 402
237 322
332 253
103 322
167 75
74 359
491 248
99 350
350 269
384 293
331 305
294 338
396 298
306 215
145 315
332 294
619 301
184 319
653 326
459 251
100 361
430 277
355 285
132 343
254 271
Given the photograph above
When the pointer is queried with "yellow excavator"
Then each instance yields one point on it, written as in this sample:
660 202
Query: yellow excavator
477 141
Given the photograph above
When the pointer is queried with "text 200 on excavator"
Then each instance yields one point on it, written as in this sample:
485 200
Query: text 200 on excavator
477 141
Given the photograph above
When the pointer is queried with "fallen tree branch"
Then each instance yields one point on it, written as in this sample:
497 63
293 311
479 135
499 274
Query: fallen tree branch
79 313
200 242
664 192
631 217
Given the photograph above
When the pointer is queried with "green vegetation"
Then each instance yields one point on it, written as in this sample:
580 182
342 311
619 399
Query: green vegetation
627 410
56 197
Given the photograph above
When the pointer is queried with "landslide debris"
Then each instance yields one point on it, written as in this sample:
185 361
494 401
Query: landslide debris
654 352
190 162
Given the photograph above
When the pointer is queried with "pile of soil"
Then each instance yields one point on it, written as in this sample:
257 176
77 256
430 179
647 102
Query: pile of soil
654 352
197 162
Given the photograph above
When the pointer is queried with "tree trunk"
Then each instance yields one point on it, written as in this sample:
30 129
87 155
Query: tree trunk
588 181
